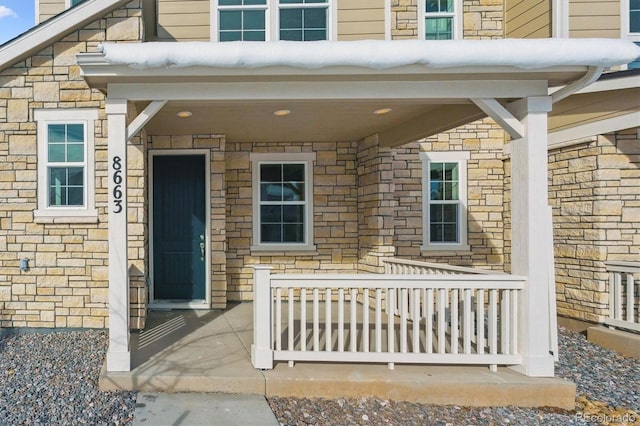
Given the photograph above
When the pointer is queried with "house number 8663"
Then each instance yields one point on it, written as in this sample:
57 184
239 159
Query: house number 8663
117 180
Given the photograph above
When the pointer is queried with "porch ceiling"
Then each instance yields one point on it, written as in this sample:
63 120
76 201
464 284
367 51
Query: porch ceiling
309 121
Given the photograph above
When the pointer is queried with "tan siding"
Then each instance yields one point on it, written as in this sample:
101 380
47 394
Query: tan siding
361 19
591 107
50 8
594 18
528 19
184 20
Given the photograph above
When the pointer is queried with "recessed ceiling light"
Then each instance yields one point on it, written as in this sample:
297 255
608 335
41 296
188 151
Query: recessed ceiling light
281 112
382 111
184 114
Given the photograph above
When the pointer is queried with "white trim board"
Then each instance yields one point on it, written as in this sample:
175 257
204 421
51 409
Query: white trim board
195 304
599 127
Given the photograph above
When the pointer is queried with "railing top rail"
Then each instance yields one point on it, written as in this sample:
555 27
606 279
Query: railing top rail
622 266
374 281
442 266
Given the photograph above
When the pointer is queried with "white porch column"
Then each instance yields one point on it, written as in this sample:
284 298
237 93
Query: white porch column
119 352
530 226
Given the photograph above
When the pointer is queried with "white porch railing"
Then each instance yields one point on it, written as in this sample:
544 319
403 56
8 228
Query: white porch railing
461 319
624 295
394 265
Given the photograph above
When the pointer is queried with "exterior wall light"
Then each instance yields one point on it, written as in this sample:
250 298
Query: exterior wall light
24 264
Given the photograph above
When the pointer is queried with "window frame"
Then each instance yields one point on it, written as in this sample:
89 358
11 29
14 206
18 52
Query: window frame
71 4
626 21
456 15
257 159
272 18
218 9
86 117
304 6
461 158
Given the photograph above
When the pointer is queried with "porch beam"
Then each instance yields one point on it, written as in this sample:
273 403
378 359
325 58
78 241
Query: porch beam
501 115
139 122
119 352
328 90
435 121
532 255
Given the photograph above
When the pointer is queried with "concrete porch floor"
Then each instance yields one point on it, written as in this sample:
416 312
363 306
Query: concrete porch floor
209 351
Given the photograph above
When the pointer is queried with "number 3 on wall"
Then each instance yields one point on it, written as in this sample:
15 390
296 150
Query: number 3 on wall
117 180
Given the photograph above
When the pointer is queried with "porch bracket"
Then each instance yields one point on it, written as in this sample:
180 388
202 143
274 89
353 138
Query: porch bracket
502 116
139 122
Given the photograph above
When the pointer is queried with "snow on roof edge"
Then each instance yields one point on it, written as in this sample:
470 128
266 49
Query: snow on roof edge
376 54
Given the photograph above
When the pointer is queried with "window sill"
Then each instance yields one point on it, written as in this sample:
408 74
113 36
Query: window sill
284 250
65 216
446 250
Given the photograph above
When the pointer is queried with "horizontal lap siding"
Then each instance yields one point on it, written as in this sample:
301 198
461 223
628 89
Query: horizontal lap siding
528 19
592 107
49 8
594 18
184 20
361 19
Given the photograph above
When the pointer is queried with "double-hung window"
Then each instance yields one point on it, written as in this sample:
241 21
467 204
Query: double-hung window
440 19
304 20
631 25
260 20
444 200
242 20
65 163
283 201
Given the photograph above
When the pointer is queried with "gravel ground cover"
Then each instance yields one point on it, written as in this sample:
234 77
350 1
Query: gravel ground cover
51 379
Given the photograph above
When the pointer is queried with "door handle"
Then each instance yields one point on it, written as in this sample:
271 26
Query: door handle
202 245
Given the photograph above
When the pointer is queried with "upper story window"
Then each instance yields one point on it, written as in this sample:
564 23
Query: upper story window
66 178
441 19
75 2
283 201
444 200
631 25
260 20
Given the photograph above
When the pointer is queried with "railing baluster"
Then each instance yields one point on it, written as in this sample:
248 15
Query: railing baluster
493 322
454 321
316 320
505 309
480 321
416 320
428 314
341 320
378 320
279 319
391 326
466 321
365 321
303 319
403 321
290 322
514 321
441 308
618 295
327 319
353 322
630 297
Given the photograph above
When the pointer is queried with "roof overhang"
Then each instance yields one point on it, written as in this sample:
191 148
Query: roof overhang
329 101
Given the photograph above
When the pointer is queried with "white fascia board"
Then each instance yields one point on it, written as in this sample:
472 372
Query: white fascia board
630 82
599 127
326 90
54 29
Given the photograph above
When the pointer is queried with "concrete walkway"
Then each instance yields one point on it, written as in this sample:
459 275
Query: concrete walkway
158 409
208 352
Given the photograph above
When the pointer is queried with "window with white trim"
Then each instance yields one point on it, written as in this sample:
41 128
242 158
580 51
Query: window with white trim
261 20
631 25
283 201
66 178
440 20
75 2
444 200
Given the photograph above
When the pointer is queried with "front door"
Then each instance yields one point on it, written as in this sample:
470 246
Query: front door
179 230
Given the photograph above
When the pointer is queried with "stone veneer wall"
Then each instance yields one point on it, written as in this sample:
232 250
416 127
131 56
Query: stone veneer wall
66 285
485 193
593 188
335 196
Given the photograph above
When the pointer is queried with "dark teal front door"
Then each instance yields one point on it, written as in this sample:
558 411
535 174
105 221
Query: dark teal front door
179 233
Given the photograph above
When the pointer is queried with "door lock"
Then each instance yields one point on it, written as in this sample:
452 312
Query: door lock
202 247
